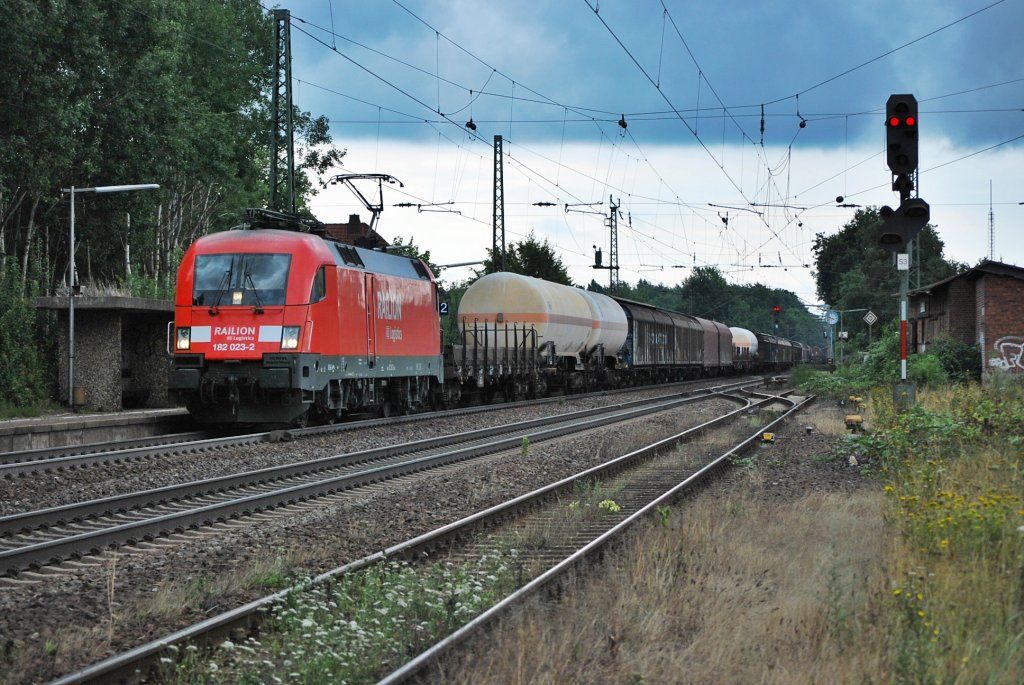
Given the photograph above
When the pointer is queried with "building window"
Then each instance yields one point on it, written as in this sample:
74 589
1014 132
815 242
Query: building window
922 307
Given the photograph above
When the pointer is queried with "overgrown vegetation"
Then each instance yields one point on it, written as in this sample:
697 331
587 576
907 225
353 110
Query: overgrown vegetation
946 361
24 384
953 467
359 627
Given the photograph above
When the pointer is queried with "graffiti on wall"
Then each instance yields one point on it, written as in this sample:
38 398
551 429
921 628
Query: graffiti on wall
1011 353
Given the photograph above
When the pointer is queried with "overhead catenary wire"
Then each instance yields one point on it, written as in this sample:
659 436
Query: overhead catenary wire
774 173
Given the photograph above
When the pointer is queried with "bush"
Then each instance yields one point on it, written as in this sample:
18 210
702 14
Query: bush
926 371
22 381
961 361
845 381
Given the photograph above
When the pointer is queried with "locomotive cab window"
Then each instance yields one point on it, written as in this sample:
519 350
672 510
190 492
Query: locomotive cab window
248 280
319 291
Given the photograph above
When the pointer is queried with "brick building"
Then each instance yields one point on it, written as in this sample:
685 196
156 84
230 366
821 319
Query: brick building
355 232
983 306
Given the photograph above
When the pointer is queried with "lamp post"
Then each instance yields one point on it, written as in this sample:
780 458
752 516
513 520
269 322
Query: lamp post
841 312
71 270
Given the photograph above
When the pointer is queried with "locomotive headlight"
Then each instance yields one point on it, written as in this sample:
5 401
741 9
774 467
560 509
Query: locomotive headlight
290 338
184 339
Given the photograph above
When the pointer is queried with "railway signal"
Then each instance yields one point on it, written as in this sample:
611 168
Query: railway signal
901 134
902 224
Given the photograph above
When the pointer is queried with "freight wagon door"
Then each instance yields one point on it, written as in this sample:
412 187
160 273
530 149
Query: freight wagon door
371 323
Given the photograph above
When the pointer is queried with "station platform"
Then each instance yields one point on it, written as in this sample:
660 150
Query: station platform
76 428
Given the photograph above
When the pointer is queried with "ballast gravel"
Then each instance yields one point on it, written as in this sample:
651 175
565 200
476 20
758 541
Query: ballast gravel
113 602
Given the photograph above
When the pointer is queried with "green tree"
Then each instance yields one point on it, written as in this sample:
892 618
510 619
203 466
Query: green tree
531 257
854 272
101 92
408 248
706 293
175 92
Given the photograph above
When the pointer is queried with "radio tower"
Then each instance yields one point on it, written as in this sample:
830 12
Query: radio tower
991 225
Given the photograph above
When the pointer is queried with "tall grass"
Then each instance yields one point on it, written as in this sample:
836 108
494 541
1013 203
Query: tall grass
953 471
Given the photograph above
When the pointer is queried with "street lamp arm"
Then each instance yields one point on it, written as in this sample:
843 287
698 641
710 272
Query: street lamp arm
113 189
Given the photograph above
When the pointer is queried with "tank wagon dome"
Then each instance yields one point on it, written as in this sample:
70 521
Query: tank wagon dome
561 314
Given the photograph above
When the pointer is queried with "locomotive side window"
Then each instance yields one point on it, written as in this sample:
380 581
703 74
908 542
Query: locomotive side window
249 280
319 286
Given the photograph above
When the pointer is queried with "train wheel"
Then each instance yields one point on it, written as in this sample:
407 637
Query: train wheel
302 420
385 409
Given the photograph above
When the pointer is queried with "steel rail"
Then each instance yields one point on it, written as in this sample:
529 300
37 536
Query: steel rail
47 460
227 505
126 454
432 654
42 454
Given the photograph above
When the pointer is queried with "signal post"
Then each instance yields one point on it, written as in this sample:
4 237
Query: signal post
903 224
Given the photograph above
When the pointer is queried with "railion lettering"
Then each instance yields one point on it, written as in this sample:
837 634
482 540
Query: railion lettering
389 306
234 330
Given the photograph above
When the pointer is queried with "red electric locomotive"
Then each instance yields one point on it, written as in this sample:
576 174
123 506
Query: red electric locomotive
283 326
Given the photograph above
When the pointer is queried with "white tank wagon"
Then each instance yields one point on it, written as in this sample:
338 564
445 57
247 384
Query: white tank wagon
744 344
576 322
609 326
525 336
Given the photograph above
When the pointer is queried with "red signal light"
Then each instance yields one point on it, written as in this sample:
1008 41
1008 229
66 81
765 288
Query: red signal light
776 309
896 122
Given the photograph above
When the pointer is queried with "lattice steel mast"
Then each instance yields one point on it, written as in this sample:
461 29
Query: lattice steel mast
498 235
282 143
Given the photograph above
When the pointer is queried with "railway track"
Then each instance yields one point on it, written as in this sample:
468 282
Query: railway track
70 457
38 538
643 481
646 483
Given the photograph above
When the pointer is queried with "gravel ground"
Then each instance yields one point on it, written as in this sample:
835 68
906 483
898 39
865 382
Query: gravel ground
80 616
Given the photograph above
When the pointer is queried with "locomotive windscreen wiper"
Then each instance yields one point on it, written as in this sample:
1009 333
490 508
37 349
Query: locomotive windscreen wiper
258 308
221 289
